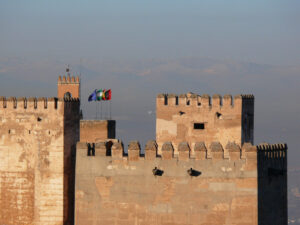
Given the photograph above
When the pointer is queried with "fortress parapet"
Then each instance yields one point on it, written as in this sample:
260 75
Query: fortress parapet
24 103
205 100
68 80
34 103
191 118
215 151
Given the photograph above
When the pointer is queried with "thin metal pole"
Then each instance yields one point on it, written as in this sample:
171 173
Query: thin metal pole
96 110
110 109
101 109
106 111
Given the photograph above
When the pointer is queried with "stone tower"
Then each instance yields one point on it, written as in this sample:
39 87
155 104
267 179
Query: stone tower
68 86
37 153
190 117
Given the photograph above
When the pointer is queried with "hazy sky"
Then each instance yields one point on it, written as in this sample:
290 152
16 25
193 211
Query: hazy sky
141 48
260 31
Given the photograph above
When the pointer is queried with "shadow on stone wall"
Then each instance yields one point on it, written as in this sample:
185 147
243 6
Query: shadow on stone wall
272 184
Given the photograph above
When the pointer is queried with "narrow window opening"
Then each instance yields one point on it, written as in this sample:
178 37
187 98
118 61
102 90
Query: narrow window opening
29 132
39 119
181 113
49 132
176 100
166 100
188 102
55 103
108 146
9 131
91 149
199 126
219 115
67 95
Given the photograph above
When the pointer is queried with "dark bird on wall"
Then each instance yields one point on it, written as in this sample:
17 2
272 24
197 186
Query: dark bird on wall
181 113
193 173
157 172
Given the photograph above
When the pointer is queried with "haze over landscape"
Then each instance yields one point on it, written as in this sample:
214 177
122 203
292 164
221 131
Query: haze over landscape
141 48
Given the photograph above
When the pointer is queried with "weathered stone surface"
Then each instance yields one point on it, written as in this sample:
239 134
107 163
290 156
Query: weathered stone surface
97 130
37 147
224 191
175 121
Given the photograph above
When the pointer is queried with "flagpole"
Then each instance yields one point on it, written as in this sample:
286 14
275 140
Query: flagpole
96 111
110 109
101 108
106 113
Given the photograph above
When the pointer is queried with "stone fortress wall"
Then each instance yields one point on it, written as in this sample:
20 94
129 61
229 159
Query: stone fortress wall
207 184
193 118
37 150
202 168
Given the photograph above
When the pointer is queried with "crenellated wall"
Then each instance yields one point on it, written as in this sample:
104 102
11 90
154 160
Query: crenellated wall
204 184
37 153
190 117
68 84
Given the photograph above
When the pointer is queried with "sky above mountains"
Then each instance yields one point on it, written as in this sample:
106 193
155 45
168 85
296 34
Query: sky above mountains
141 48
255 31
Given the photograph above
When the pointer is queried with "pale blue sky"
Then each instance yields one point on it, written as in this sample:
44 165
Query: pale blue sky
258 31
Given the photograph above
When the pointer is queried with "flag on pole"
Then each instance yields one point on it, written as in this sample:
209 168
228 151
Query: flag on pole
107 95
100 94
93 96
103 96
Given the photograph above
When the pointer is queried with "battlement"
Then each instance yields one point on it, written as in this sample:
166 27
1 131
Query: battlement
199 151
191 117
34 102
68 80
191 99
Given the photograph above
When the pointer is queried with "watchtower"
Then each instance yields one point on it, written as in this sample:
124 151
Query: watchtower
192 118
37 152
68 86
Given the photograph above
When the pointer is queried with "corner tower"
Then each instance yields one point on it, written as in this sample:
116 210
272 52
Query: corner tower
68 86
38 139
191 118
